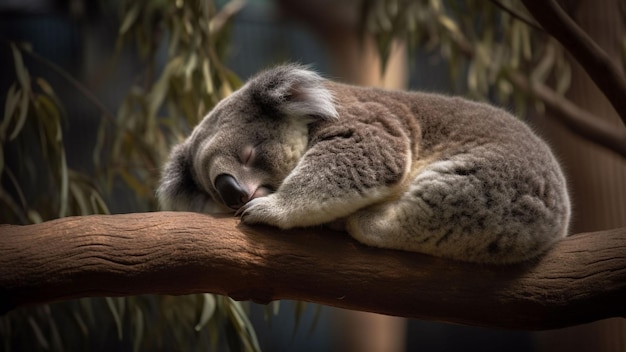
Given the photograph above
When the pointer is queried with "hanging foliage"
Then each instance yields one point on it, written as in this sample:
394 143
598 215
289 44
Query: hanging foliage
484 42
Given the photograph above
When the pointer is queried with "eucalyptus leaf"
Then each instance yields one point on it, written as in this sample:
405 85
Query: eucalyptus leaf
1 159
38 334
543 69
130 18
64 184
208 308
34 217
138 334
243 326
79 197
299 310
21 118
98 204
23 76
117 313
54 330
10 105
80 322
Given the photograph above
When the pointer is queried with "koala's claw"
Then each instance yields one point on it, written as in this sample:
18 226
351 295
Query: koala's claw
243 209
258 210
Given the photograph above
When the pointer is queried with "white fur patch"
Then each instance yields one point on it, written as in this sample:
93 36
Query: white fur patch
309 97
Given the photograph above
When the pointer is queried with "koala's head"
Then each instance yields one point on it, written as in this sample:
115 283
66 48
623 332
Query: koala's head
246 146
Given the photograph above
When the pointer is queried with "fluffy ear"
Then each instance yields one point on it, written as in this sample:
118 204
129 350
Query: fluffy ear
178 190
293 90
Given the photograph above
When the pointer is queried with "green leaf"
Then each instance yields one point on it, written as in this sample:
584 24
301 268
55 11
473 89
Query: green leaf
82 326
243 326
544 67
174 36
23 113
206 73
299 309
275 307
316 317
39 336
208 308
448 23
563 75
98 204
117 310
54 330
139 329
64 190
1 159
79 197
22 73
161 87
12 99
34 217
190 66
130 18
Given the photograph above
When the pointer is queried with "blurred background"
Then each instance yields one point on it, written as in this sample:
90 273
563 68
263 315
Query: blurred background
96 92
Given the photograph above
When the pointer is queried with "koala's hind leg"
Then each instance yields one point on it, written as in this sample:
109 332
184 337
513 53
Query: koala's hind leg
466 213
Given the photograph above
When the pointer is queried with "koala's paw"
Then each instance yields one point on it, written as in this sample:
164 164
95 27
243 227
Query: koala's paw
262 210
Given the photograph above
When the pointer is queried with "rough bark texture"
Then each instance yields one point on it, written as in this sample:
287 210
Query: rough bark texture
582 279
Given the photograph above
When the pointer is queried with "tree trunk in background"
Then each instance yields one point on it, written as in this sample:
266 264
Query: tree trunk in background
355 60
597 178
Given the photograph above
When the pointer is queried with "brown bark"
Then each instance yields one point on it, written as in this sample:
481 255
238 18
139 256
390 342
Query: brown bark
582 279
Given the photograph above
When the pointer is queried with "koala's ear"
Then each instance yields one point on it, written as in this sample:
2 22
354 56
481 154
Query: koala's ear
293 91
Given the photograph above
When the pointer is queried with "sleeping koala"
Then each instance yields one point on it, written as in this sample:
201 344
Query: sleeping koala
412 171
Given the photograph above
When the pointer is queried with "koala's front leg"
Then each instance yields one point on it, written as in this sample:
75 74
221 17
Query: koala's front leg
338 175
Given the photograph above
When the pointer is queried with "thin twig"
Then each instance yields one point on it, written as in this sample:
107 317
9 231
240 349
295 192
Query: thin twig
517 16
577 120
594 60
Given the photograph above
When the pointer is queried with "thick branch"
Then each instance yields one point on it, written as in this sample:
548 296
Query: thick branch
598 65
582 279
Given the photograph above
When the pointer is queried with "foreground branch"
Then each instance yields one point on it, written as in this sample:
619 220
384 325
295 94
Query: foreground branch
581 280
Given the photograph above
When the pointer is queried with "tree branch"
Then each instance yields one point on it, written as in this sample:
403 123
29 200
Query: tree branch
582 279
577 120
598 65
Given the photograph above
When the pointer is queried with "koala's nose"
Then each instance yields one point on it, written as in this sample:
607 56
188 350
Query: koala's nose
233 195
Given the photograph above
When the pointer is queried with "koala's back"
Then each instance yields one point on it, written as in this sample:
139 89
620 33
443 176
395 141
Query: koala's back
481 185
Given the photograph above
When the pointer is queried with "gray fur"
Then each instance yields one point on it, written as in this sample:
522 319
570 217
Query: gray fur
404 170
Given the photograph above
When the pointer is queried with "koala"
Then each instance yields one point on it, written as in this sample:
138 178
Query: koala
412 171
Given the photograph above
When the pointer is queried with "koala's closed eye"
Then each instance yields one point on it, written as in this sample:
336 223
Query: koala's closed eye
247 155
